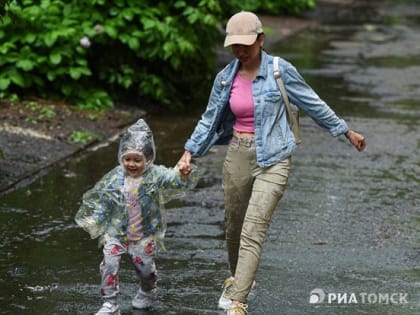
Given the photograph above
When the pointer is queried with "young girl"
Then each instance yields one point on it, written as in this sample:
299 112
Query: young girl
125 210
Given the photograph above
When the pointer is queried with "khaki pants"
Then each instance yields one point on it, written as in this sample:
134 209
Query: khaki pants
251 196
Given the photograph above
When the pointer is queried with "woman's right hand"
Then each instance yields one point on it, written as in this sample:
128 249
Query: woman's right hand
356 139
184 163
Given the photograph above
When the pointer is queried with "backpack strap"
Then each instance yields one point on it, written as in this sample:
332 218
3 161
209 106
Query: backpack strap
292 118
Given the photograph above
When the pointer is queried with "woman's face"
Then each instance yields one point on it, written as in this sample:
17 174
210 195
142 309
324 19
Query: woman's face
247 54
134 164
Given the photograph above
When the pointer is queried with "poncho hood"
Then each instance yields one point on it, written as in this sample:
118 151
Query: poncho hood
138 138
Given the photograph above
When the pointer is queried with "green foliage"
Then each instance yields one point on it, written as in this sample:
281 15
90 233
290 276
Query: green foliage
4 4
82 137
39 112
90 52
92 117
270 6
93 53
13 98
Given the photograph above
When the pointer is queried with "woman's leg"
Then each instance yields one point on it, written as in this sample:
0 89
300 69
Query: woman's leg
268 188
237 186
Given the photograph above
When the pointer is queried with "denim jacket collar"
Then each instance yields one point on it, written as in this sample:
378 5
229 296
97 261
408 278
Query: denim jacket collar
264 65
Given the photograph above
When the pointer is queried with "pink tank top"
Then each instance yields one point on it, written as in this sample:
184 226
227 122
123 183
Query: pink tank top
242 104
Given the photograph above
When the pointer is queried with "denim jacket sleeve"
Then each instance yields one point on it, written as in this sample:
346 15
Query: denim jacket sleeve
215 125
301 94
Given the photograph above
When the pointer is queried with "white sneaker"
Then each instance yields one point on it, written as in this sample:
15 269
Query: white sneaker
109 309
225 303
143 300
238 309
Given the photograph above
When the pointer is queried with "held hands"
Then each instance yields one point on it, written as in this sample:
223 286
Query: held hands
184 163
356 139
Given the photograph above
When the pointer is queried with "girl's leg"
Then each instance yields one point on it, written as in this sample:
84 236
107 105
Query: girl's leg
143 254
237 186
109 268
267 191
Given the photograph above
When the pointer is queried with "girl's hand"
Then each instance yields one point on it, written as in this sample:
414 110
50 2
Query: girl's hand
184 163
356 139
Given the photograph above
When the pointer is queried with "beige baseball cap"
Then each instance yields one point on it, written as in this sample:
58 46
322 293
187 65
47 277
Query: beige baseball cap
243 29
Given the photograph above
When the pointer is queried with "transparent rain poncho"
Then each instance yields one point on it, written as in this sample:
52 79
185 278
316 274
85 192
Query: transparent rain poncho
103 212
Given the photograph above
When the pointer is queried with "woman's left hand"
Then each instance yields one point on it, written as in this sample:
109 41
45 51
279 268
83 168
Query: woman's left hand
356 139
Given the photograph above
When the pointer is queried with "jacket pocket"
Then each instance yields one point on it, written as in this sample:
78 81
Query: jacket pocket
272 103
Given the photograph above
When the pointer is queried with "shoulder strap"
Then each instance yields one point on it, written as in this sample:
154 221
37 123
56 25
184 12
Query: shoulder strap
294 124
277 75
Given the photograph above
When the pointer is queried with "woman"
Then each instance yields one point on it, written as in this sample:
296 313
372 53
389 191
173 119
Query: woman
246 109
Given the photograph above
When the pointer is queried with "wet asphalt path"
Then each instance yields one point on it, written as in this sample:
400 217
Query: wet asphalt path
348 224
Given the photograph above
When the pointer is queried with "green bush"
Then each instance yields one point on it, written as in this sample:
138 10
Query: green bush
270 6
90 52
93 53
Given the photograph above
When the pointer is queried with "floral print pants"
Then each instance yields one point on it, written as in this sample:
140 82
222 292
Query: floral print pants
142 255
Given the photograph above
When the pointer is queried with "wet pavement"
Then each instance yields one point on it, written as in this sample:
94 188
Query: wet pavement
348 224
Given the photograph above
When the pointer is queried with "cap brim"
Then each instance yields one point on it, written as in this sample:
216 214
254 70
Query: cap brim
240 40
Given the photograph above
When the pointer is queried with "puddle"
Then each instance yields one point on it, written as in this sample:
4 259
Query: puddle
349 222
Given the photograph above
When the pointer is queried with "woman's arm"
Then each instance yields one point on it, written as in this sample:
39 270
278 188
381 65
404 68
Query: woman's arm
302 95
306 98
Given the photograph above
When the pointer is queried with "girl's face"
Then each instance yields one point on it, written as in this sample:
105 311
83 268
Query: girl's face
134 164
248 54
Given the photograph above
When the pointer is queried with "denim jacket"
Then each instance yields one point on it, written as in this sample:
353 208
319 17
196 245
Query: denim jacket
274 141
